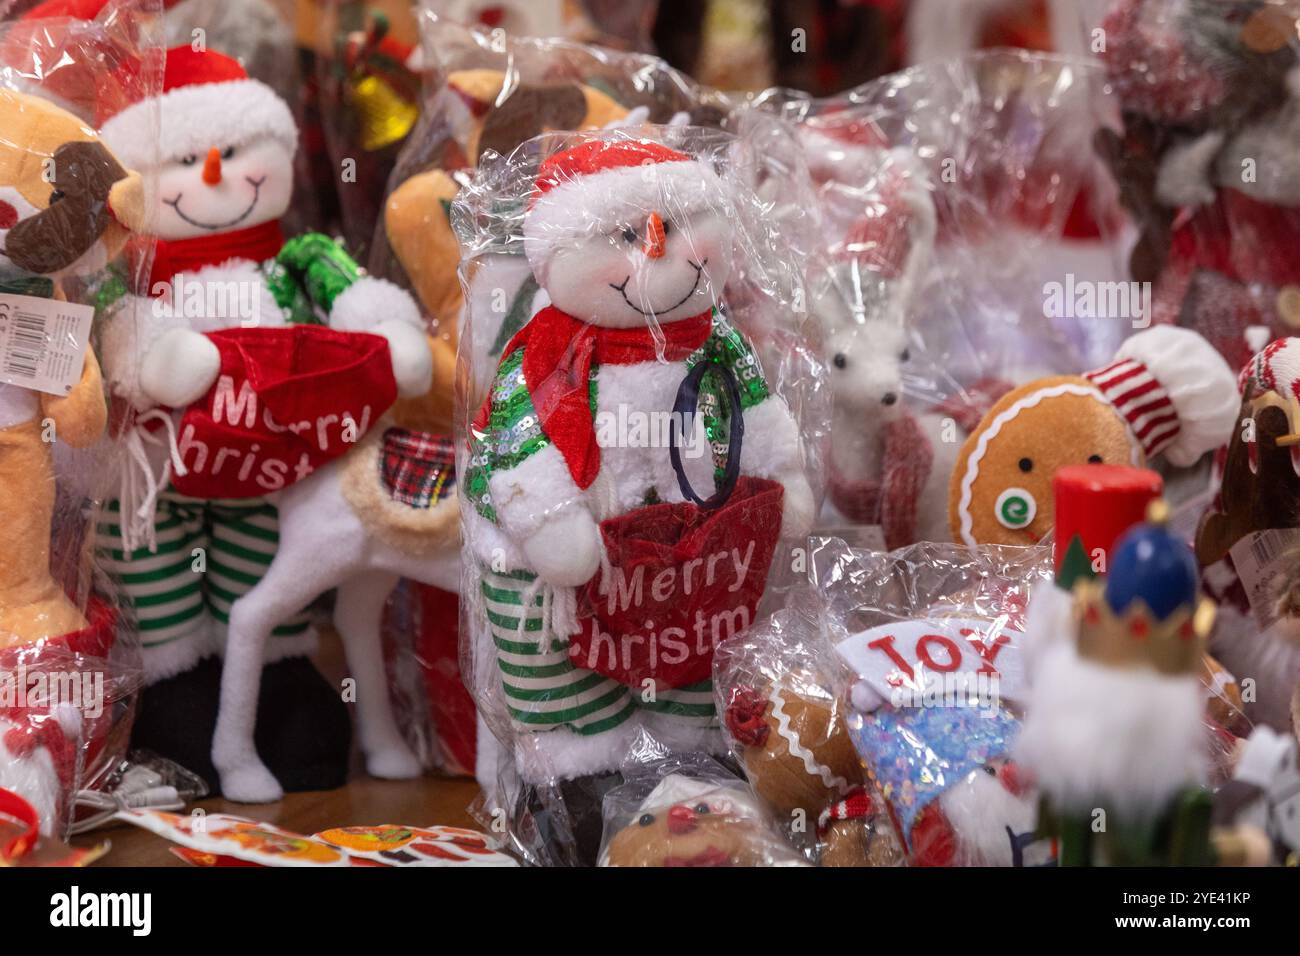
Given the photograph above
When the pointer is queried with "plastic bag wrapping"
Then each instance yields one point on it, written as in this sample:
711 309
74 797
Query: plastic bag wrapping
69 655
961 207
780 689
933 639
584 506
1202 155
679 810
486 91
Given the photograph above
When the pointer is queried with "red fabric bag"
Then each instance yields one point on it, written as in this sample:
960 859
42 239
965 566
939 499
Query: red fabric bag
287 401
673 567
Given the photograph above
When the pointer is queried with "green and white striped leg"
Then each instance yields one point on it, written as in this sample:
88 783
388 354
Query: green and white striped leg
164 588
543 689
691 705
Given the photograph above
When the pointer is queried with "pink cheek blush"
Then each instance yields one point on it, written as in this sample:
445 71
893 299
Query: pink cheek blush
8 215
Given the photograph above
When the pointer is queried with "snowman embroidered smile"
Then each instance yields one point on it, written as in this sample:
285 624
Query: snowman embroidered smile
621 288
257 191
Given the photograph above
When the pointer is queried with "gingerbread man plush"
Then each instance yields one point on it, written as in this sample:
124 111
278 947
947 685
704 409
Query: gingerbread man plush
1167 393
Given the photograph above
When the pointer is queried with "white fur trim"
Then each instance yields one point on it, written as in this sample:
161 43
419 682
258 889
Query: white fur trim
560 754
487 543
33 778
238 296
1199 383
987 435
614 198
771 446
182 654
535 490
1049 621
979 809
193 119
1125 738
370 301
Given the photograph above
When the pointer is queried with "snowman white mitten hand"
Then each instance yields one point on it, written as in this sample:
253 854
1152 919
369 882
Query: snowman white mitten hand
179 368
565 550
383 308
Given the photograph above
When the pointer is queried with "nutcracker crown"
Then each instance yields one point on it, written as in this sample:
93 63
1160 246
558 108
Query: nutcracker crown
1149 612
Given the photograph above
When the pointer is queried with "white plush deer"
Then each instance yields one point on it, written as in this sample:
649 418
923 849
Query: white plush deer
863 301
337 529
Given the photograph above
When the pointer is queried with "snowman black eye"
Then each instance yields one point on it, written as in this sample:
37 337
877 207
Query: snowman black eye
1026 465
629 234
841 360
668 227
189 160
905 355
701 808
228 152
646 819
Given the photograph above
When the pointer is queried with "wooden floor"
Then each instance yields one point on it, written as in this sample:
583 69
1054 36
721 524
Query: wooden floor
363 801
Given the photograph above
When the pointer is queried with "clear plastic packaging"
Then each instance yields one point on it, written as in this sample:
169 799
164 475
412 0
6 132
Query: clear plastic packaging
953 197
636 457
1202 153
486 90
779 688
932 640
687 810
69 654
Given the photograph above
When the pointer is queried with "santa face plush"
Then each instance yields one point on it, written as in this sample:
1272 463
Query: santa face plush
228 186
692 823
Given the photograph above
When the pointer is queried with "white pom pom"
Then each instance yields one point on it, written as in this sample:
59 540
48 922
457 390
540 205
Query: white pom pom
368 302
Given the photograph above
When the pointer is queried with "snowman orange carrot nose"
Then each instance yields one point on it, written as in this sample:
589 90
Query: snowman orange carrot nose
212 167
654 237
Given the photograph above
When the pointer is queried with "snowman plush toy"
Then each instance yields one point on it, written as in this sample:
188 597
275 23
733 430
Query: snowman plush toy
593 535
217 184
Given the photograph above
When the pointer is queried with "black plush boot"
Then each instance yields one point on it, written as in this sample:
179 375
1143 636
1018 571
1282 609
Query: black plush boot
304 732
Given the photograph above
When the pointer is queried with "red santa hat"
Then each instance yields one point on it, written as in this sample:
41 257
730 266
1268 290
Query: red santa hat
602 185
208 100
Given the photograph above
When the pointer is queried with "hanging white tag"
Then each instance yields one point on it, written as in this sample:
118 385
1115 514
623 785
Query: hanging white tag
43 342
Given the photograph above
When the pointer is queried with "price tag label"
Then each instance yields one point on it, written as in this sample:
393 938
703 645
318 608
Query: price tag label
43 342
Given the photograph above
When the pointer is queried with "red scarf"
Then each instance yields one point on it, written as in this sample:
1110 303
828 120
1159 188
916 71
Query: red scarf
256 243
890 500
557 370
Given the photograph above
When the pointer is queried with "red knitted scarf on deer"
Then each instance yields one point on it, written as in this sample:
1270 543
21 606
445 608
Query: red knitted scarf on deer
558 354
890 500
256 243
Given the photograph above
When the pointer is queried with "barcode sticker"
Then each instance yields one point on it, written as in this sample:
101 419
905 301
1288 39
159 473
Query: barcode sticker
43 342
1260 559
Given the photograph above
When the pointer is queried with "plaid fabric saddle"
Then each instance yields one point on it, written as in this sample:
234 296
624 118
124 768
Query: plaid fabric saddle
418 469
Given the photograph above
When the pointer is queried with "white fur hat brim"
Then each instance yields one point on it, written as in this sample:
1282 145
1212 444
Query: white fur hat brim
192 119
613 199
